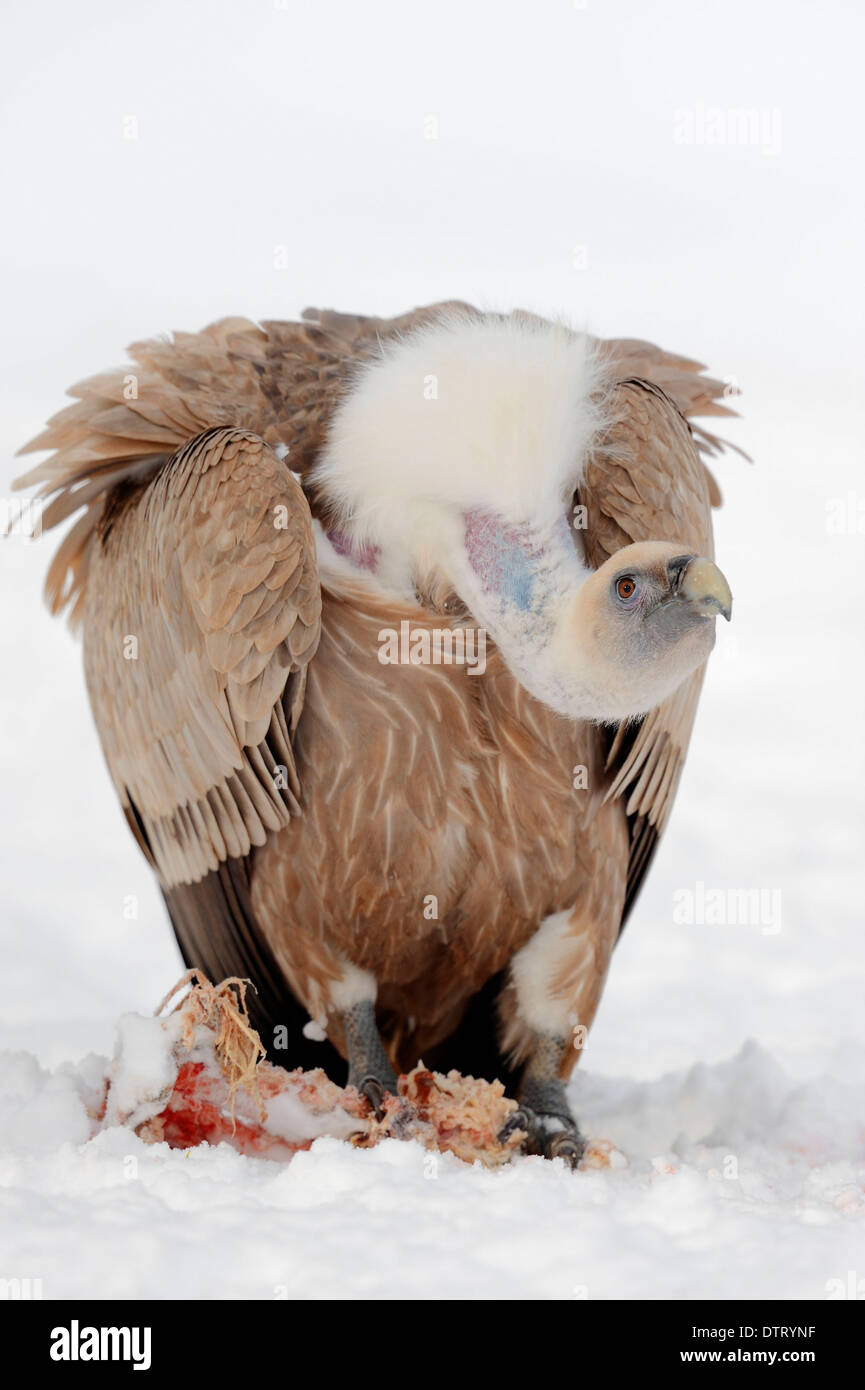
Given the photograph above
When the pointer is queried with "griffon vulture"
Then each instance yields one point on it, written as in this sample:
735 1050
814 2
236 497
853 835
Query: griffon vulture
394 632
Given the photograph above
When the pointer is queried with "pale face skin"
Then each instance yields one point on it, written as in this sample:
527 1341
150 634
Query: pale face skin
642 623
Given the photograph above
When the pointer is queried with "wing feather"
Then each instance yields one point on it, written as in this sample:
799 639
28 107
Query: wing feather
647 482
191 721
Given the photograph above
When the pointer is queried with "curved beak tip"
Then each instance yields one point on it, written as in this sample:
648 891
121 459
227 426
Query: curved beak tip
705 587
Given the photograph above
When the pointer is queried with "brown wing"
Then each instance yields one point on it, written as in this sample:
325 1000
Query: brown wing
280 380
202 611
646 481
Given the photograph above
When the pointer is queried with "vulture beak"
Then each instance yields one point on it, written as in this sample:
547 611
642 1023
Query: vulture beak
702 584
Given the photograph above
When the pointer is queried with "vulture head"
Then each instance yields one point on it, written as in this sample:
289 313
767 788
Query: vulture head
455 458
642 623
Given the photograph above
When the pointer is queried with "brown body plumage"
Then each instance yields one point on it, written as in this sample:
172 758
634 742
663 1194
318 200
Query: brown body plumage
303 804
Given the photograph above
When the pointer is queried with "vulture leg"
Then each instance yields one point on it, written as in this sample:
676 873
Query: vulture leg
368 1066
546 1009
544 1112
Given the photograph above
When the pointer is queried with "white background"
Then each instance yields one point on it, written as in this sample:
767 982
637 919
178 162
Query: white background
557 181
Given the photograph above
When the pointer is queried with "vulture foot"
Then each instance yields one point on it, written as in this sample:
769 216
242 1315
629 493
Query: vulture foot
544 1113
550 1135
375 1092
369 1067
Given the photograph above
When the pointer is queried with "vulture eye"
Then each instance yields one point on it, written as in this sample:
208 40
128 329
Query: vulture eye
626 588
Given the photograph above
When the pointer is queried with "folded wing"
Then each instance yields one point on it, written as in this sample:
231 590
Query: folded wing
202 611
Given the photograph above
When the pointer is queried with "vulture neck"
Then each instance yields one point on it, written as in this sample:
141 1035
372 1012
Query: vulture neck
523 583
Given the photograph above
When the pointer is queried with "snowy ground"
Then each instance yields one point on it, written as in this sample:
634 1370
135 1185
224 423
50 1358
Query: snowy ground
741 1182
728 1061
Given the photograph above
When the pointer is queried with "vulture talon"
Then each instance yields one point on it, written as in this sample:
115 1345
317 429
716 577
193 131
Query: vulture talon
373 1090
568 1144
548 1135
521 1118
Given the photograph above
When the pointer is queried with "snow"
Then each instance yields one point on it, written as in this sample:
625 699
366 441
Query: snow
734 1170
727 1061
142 1069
